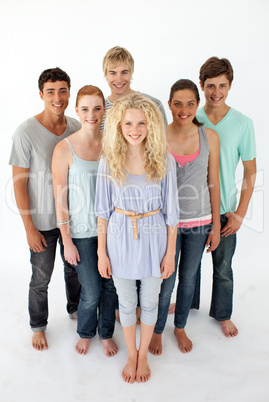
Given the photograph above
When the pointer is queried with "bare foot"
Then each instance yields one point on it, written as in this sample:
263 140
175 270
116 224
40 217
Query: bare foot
155 346
143 370
229 328
117 315
138 315
82 346
184 343
39 341
172 308
128 373
110 347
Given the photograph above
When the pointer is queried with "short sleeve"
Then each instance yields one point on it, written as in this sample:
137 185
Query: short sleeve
247 146
169 194
21 149
103 197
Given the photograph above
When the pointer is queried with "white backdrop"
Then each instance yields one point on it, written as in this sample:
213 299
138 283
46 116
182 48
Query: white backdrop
169 40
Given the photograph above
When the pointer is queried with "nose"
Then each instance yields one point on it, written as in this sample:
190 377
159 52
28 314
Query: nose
184 110
216 92
57 96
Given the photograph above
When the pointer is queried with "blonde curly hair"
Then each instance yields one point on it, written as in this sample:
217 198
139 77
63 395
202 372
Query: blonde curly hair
115 145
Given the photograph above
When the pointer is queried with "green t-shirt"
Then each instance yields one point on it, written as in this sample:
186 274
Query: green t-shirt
237 140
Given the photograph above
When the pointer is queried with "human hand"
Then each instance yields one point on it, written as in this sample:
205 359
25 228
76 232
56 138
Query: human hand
36 240
167 266
71 253
213 240
233 224
104 267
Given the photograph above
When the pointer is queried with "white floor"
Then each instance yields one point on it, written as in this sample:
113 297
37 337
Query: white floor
218 369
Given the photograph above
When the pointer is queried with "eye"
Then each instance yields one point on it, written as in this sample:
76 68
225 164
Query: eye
84 109
142 123
97 109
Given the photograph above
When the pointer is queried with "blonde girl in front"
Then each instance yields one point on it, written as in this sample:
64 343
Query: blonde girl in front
137 209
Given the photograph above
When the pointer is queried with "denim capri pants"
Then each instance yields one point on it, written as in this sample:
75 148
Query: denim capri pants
149 298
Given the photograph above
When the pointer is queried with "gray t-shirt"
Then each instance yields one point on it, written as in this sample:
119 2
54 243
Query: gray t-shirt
32 148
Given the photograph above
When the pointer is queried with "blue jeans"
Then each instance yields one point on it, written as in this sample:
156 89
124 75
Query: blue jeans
222 289
42 268
193 241
96 293
183 242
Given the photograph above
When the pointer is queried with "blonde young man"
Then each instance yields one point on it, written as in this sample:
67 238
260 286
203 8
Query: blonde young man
118 67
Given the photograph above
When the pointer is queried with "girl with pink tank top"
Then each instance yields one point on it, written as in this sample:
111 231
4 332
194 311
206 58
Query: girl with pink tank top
196 151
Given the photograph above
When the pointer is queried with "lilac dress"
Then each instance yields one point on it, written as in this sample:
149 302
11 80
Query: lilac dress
130 258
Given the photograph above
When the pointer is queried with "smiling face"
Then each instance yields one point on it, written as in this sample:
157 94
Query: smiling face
119 80
183 106
216 90
134 127
90 110
56 96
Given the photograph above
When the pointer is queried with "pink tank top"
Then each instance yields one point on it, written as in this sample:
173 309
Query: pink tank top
183 159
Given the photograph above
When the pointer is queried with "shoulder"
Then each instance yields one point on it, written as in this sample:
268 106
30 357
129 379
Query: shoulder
61 147
240 117
155 100
26 131
27 126
108 104
211 134
212 138
72 124
62 154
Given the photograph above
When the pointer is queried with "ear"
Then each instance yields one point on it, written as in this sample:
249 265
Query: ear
201 86
169 104
41 95
76 109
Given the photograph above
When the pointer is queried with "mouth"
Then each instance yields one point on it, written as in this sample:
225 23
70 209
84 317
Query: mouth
91 121
135 137
183 117
119 86
216 99
57 105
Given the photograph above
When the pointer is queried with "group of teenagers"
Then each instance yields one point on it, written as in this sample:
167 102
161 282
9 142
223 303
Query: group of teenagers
133 203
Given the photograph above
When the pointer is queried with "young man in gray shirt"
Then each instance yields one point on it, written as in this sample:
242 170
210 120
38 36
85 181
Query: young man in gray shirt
32 149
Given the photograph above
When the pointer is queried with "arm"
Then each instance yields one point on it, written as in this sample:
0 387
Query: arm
235 219
103 260
60 166
214 189
168 261
35 239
